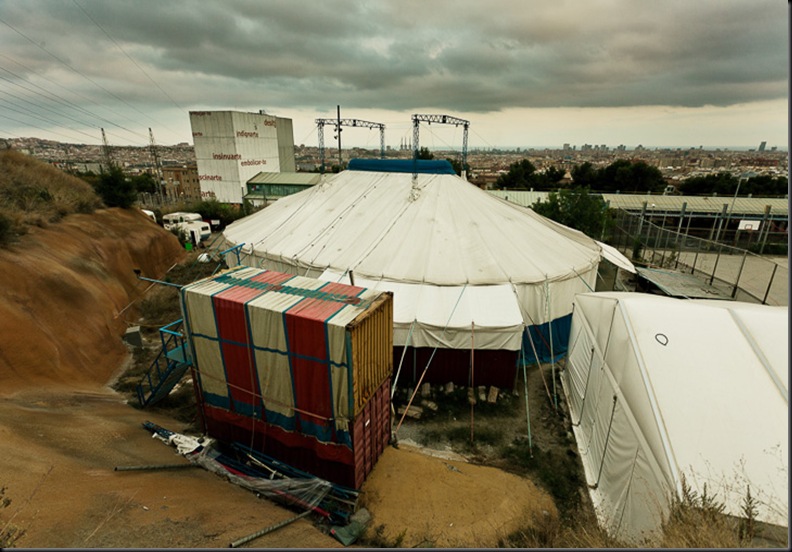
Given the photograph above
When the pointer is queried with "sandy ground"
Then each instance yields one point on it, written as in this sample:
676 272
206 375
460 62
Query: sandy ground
63 430
428 501
60 451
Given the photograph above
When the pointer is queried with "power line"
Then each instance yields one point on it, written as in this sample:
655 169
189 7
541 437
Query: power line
45 119
59 60
60 99
34 126
127 55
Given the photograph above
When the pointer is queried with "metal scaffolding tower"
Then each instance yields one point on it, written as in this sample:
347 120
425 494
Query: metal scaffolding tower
338 122
443 119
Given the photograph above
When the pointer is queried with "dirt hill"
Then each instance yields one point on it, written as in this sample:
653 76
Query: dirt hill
62 289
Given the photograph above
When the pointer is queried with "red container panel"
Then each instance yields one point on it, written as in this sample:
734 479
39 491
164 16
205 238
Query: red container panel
336 463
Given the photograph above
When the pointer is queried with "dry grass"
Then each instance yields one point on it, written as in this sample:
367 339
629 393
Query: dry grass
694 521
33 193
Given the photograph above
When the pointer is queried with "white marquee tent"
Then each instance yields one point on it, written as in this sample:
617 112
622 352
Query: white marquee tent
661 389
458 260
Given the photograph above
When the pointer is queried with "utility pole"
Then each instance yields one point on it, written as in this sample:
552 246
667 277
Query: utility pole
106 153
338 135
157 166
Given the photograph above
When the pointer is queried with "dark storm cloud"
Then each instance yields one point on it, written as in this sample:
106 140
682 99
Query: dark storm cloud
461 56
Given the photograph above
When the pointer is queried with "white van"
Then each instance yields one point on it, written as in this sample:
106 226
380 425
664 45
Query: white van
197 231
172 219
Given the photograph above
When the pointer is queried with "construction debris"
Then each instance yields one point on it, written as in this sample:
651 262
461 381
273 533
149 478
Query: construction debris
431 405
412 412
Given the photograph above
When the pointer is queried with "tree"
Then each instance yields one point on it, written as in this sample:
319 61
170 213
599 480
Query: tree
520 176
584 176
145 183
548 180
115 189
424 153
621 175
577 208
722 183
456 164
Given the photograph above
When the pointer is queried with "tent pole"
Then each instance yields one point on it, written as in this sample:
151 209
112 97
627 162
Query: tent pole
550 329
585 389
472 376
525 393
605 448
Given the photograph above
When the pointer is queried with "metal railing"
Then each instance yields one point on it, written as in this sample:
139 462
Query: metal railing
737 272
174 354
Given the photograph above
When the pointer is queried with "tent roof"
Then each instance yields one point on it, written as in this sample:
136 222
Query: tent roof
717 373
435 229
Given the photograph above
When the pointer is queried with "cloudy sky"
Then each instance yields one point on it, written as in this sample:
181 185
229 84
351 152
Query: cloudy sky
524 73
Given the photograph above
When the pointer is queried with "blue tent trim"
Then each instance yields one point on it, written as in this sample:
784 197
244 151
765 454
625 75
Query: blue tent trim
423 166
540 335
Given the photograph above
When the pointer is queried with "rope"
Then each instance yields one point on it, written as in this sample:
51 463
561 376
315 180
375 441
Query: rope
404 352
539 365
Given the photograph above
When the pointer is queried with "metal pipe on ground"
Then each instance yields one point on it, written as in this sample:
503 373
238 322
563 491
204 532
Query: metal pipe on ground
239 542
155 467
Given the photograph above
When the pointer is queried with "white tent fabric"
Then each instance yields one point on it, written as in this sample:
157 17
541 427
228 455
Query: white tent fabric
662 388
427 238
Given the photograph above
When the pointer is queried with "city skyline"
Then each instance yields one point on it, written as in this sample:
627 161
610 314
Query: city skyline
681 75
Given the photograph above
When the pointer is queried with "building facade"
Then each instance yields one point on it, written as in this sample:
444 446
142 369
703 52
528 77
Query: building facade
233 146
181 183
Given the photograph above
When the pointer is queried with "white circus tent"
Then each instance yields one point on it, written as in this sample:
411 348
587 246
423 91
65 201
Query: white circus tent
458 260
663 389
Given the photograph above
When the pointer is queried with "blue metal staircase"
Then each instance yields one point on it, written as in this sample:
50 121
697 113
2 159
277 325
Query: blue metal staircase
168 367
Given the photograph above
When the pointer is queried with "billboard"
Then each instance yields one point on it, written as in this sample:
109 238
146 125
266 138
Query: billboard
232 146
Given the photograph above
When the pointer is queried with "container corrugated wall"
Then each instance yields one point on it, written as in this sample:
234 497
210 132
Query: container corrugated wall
294 367
372 349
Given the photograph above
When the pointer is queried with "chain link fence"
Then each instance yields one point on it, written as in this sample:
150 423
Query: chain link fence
735 271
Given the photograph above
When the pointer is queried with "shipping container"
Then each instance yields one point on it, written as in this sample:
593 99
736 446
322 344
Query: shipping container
293 367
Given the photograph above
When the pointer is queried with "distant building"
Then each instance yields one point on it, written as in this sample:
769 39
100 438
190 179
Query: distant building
233 146
181 183
266 188
762 146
